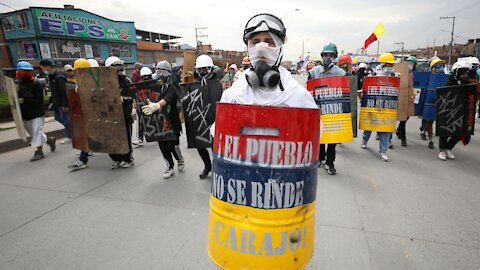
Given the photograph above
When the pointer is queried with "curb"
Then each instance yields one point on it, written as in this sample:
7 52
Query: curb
16 144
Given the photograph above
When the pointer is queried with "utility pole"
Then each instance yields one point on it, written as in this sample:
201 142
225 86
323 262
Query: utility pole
451 40
303 48
403 44
198 34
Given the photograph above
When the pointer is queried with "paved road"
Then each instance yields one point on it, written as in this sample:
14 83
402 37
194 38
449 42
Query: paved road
414 212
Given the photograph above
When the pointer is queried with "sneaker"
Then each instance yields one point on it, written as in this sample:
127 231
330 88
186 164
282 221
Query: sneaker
37 156
430 145
442 156
450 155
51 143
168 173
404 143
423 136
364 144
115 165
204 173
390 145
181 165
321 164
330 169
78 166
67 140
138 142
383 157
127 164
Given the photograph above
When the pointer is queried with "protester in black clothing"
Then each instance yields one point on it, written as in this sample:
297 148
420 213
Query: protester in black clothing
58 89
30 94
459 75
168 100
123 160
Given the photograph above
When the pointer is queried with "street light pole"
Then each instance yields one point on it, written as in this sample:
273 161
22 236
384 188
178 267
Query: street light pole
297 9
400 43
451 40
199 35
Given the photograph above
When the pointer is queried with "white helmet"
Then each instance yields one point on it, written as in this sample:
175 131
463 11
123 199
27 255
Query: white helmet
461 64
93 63
113 60
204 61
234 67
362 65
165 65
145 71
473 61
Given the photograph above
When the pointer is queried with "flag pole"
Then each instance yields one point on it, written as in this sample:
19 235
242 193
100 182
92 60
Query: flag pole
378 46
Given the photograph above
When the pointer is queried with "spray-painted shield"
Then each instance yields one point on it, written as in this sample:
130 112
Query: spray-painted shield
263 194
379 103
420 83
332 95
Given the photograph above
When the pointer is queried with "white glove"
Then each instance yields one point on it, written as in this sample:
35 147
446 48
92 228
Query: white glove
150 107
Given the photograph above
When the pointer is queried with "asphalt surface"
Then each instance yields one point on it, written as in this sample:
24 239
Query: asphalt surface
413 212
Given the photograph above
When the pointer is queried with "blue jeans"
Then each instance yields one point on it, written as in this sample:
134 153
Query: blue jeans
64 119
385 138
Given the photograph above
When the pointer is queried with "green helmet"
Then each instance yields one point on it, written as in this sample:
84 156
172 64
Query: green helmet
330 48
412 59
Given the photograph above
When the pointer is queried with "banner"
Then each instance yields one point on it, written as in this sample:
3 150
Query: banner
332 95
15 107
456 108
77 122
199 106
405 94
379 103
78 23
157 126
102 109
264 186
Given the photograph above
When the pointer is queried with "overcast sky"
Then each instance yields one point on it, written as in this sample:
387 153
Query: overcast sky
347 23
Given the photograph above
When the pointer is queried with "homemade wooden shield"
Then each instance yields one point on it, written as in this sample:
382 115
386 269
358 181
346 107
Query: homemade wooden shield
99 93
435 81
456 108
379 103
353 80
199 106
420 83
264 185
405 93
332 95
188 65
157 126
77 122
15 107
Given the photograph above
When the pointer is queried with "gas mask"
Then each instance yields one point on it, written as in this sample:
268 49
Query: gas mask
120 70
265 60
439 69
388 70
327 61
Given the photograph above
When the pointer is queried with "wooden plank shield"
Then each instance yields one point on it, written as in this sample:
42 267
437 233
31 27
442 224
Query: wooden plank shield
353 80
99 93
199 105
405 93
77 122
332 95
157 126
455 107
15 107
379 103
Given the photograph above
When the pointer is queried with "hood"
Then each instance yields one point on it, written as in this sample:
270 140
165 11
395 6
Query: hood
244 94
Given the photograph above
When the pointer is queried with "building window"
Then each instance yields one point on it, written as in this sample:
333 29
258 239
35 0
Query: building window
27 50
67 49
96 50
22 20
7 23
121 50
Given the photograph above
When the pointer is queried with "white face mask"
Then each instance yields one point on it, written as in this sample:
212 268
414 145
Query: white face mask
263 52
387 69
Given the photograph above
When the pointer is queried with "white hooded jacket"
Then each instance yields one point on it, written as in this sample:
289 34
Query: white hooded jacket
293 95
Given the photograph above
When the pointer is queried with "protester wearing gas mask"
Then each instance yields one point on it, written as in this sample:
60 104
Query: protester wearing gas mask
168 100
266 82
123 160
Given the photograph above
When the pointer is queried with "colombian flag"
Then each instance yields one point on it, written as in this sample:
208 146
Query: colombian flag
374 36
